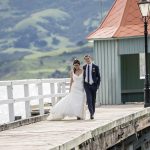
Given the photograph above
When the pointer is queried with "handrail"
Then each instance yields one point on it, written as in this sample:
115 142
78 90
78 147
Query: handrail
58 89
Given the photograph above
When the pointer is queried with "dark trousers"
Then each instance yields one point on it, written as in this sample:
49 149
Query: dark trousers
91 96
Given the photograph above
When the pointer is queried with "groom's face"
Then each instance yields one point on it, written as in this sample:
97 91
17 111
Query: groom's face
87 59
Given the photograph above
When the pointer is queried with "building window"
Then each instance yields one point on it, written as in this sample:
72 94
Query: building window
142 65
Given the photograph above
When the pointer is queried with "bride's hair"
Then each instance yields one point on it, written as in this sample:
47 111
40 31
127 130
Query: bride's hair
76 61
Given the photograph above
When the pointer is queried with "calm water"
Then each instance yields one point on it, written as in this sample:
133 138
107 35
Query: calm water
18 92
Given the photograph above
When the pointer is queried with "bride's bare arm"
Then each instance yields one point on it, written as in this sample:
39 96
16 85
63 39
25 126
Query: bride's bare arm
71 81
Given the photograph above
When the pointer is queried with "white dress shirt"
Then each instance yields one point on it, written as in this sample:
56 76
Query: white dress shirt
86 77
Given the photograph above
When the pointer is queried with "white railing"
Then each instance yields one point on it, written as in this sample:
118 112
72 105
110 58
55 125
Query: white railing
58 88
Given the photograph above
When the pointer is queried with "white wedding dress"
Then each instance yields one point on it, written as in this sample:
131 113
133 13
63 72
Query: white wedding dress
73 104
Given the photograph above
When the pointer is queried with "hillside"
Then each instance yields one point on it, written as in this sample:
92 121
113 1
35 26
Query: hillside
39 38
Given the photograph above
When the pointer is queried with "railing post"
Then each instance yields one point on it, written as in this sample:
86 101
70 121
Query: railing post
10 105
58 90
41 102
52 90
76 148
27 103
63 87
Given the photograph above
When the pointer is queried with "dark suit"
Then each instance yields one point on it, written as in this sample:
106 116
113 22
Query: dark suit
91 89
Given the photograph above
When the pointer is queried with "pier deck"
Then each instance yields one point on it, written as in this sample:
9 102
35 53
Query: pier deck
46 135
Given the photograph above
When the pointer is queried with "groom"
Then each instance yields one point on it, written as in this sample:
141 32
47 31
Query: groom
91 77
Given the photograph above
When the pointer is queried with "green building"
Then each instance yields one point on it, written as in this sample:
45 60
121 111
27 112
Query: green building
118 46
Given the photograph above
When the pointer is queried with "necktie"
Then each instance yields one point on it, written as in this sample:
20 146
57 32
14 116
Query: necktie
88 74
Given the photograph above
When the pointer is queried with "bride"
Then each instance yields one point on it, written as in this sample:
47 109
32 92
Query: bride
74 103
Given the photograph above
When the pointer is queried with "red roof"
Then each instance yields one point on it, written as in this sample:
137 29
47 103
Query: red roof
123 20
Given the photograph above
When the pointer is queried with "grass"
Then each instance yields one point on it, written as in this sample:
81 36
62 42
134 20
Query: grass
12 50
45 70
63 41
43 64
50 53
53 53
41 16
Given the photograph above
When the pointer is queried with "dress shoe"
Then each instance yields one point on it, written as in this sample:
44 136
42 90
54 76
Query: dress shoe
91 117
78 118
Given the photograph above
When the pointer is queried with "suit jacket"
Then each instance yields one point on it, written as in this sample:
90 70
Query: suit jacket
95 74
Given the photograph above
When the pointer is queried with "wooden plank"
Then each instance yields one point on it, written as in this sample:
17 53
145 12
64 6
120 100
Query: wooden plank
8 101
58 91
5 83
33 81
68 133
10 105
52 90
27 103
29 81
41 100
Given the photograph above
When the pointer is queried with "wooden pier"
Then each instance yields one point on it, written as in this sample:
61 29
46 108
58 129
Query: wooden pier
69 133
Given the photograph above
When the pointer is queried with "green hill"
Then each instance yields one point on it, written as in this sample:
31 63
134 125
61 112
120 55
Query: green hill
39 39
